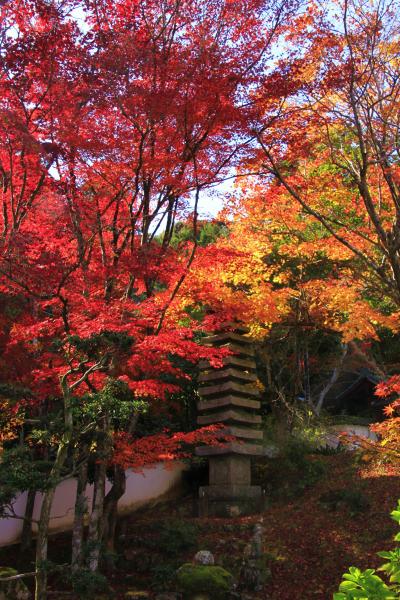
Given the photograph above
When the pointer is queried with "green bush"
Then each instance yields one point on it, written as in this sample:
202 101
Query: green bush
162 576
177 537
85 583
330 450
366 585
212 580
291 472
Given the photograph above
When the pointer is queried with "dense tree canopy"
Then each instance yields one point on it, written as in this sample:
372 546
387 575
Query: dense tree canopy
115 117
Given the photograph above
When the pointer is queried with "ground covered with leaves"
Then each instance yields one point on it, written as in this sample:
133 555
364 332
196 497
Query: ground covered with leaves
329 512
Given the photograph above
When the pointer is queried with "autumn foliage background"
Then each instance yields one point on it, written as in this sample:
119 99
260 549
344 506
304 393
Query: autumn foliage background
116 121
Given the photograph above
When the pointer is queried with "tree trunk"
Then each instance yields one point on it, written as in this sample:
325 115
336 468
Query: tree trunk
26 536
110 514
79 517
41 541
47 501
95 534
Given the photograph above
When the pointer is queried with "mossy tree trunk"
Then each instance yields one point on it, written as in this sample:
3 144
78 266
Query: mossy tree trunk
110 514
44 520
95 534
26 536
79 513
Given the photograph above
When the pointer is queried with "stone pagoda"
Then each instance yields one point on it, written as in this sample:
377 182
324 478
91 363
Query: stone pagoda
229 395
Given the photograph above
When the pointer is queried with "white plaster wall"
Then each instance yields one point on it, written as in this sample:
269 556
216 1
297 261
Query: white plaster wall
11 529
332 437
141 489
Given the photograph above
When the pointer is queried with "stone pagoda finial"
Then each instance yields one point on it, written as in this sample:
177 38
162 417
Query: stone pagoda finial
229 395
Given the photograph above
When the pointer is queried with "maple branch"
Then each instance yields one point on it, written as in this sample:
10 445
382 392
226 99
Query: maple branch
323 220
188 264
18 576
96 367
334 377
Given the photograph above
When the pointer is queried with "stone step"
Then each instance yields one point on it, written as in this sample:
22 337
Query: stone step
227 373
204 405
229 415
223 389
231 448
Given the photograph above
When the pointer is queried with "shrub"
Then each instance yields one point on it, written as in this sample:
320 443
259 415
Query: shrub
85 583
366 585
291 472
215 581
162 576
177 537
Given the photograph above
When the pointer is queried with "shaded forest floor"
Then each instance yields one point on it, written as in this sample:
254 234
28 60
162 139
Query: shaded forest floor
314 529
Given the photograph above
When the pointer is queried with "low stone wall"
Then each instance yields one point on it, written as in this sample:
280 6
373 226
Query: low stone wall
141 489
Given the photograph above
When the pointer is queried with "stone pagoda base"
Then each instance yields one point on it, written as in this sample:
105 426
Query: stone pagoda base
220 501
229 492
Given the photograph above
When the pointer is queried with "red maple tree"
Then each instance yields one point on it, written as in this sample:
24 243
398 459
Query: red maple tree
114 118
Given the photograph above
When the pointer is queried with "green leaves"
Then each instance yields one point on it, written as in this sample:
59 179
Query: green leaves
395 514
363 584
366 585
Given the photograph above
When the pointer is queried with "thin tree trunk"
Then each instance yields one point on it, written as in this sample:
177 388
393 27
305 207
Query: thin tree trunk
334 377
41 541
54 477
95 534
95 525
79 517
26 536
110 514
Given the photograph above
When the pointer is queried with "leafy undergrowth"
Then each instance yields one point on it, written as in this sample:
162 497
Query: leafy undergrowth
310 539
341 520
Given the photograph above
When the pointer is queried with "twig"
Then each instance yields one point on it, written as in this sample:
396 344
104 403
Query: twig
19 576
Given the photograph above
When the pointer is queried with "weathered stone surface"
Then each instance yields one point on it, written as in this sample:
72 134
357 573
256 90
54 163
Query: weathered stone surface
203 557
227 336
229 415
232 388
224 492
229 400
227 469
227 373
254 571
244 432
231 448
227 387
242 351
232 359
